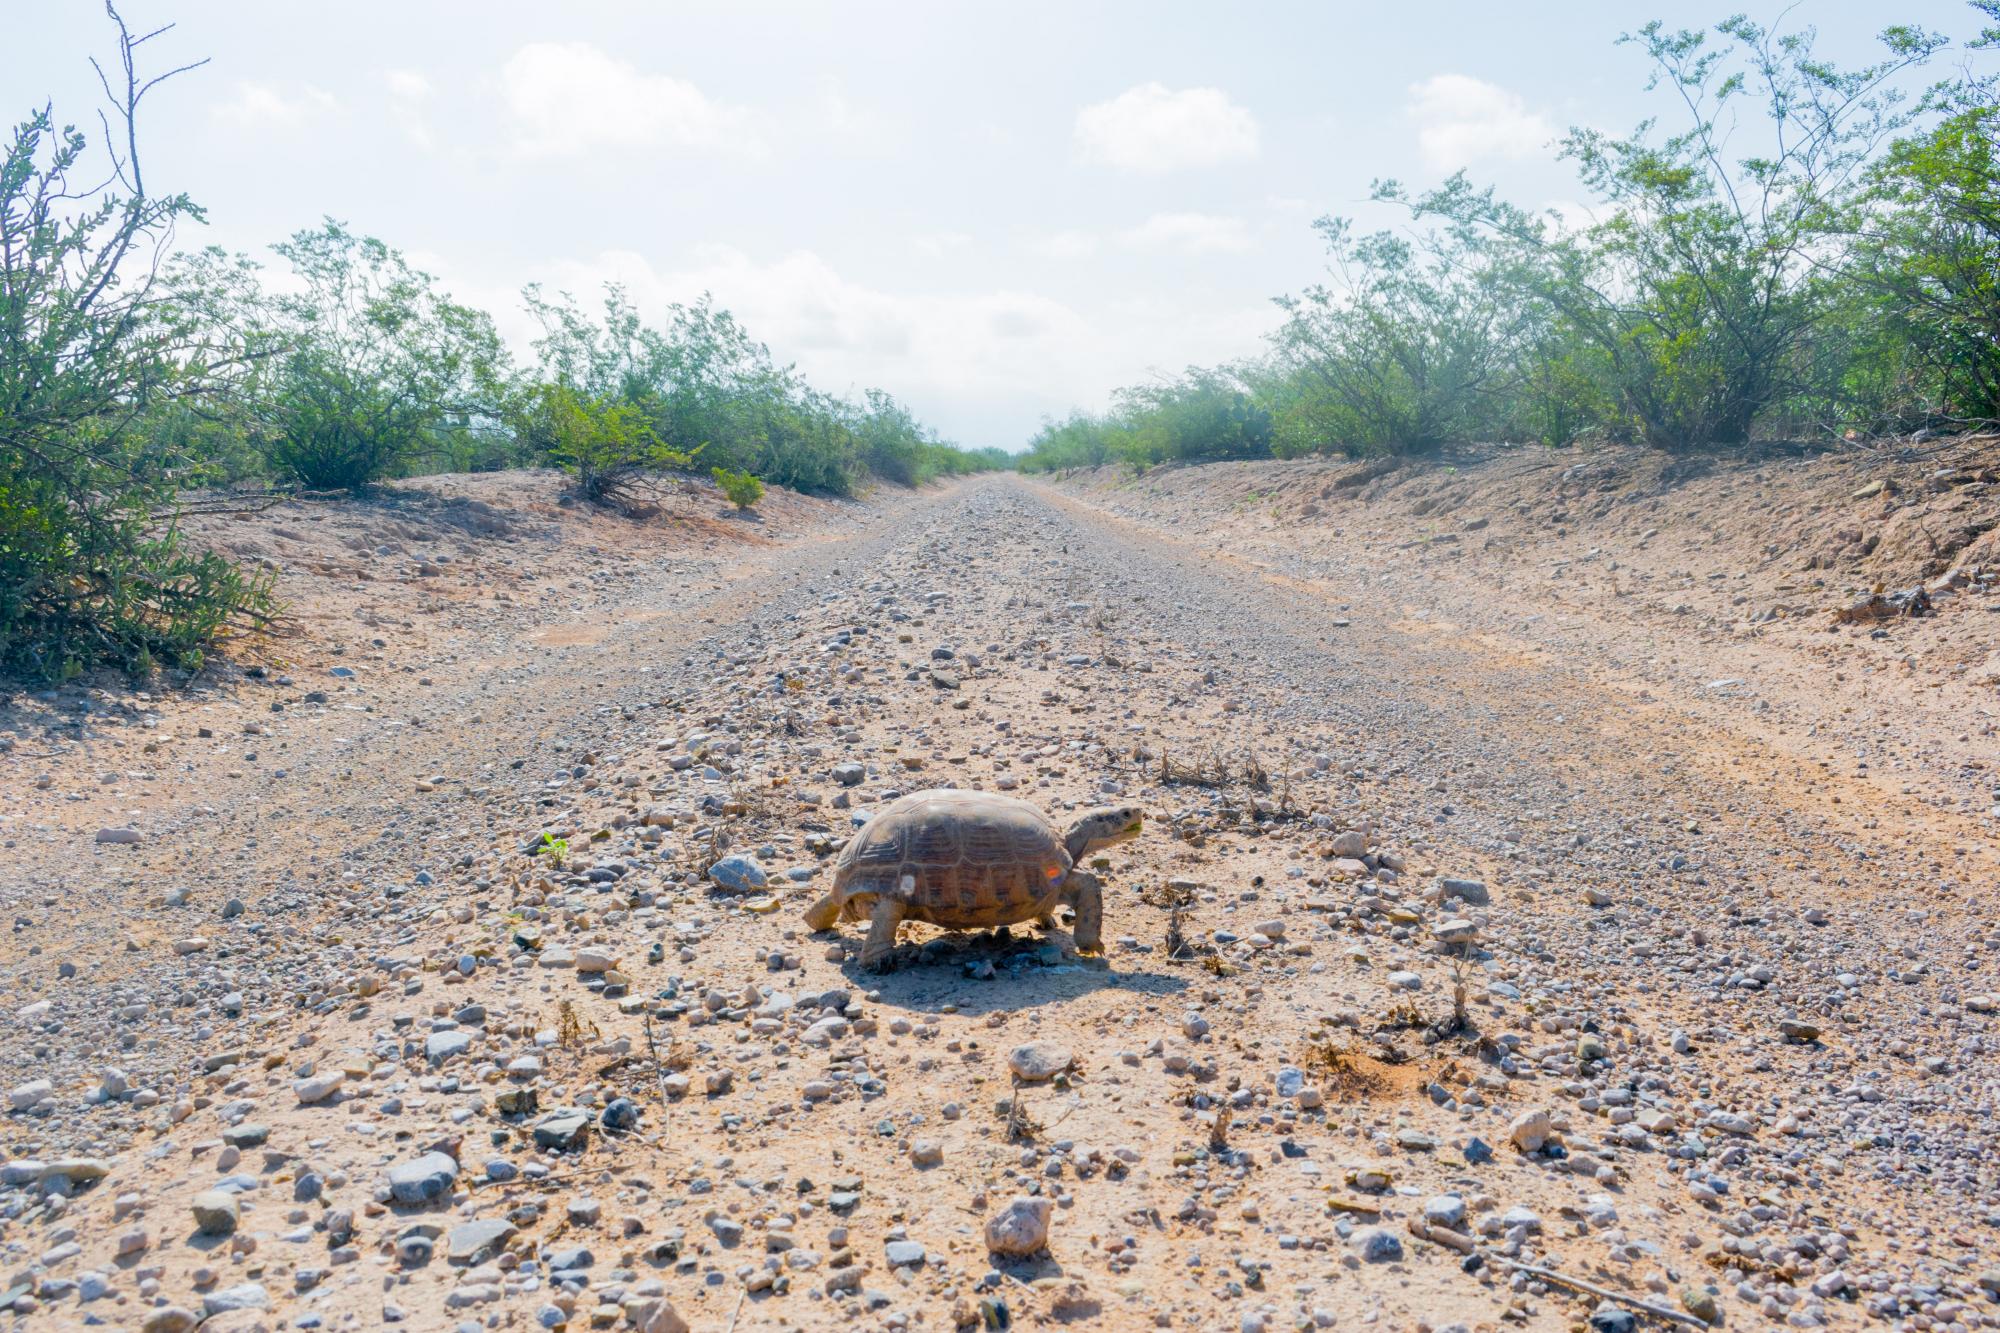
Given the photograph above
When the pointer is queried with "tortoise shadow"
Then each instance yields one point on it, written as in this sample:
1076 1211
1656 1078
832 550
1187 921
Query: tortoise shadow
927 976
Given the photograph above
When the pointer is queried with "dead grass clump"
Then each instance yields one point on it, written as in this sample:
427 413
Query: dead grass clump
1021 1127
1211 770
1174 899
573 1030
1405 1015
1342 1076
708 845
1215 769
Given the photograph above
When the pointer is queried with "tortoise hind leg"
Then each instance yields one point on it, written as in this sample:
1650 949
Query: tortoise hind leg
882 923
822 914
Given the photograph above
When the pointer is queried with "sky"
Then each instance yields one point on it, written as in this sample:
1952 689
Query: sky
995 212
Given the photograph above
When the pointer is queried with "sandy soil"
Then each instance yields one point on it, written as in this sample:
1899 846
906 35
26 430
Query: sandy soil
1726 979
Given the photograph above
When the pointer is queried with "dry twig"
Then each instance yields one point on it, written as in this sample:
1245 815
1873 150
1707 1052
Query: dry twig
1604 1293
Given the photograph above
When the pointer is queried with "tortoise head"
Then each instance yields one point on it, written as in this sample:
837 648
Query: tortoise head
1102 826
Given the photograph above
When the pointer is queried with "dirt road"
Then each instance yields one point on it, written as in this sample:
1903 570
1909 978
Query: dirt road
1726 1038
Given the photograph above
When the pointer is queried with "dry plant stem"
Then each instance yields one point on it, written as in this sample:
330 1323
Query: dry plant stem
659 1067
1564 1280
1444 1236
554 1177
1466 1245
1015 1116
1177 945
1218 1131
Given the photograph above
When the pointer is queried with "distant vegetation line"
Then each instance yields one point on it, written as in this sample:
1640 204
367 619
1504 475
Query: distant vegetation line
130 372
1797 251
360 368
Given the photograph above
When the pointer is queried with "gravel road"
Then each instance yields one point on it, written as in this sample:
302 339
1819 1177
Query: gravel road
1440 957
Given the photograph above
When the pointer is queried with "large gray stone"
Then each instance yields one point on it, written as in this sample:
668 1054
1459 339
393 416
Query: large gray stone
1020 1228
737 874
170 1319
242 1296
1465 890
442 1046
475 1242
1039 1061
215 1212
562 1130
1379 1245
424 1179
654 1314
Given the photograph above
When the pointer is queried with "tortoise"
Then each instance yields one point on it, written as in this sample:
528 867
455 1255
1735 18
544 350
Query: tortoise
970 860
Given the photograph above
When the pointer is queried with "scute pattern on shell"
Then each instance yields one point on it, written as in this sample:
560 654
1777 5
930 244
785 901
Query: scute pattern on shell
967 860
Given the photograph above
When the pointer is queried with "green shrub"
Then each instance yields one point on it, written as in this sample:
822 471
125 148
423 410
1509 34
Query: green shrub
1704 287
742 489
371 368
108 583
1929 251
1080 440
1203 416
1558 394
703 383
607 445
92 568
1411 346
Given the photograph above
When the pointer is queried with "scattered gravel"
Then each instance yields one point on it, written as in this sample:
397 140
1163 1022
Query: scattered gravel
1435 958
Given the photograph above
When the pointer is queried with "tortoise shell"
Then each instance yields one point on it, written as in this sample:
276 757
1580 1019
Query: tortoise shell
960 859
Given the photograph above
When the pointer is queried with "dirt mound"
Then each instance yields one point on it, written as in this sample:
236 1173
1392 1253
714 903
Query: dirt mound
470 542
1777 545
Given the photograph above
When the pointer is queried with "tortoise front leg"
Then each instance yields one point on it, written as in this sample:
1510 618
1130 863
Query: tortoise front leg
882 923
1085 896
822 914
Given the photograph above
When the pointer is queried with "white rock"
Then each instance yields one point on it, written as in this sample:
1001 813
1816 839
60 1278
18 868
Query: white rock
1021 1228
1039 1061
31 1094
1530 1130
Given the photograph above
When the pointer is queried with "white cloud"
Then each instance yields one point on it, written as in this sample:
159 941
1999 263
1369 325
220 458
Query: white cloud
935 244
846 334
981 366
1162 233
570 97
965 361
1462 120
266 106
409 84
1189 234
1069 244
1156 128
409 93
856 126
